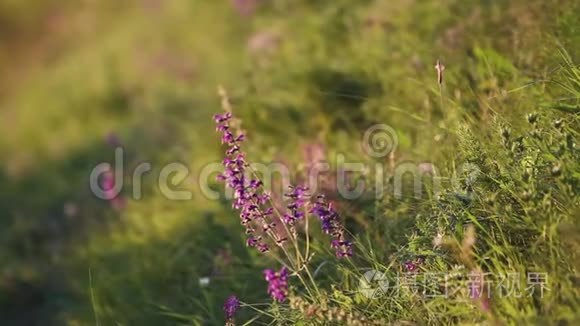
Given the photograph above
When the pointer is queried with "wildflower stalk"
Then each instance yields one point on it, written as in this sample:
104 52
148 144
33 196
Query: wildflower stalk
307 249
299 263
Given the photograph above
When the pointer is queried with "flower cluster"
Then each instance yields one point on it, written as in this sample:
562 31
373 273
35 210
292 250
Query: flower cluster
331 225
231 305
277 283
298 196
256 214
250 198
410 266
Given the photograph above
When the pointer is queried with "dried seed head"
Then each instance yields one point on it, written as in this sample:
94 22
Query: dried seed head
440 68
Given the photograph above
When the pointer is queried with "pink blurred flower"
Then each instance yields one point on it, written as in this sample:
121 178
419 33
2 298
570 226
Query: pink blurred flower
108 186
245 7
477 289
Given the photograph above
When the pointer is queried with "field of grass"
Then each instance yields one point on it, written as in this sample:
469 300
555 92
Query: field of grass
495 145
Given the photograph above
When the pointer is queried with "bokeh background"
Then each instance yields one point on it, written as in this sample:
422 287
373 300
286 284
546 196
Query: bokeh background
78 78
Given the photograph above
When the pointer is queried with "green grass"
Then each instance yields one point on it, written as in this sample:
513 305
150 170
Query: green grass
331 70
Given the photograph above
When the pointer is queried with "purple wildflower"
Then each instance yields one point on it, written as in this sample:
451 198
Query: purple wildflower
410 266
113 139
231 305
413 265
249 196
262 247
331 225
343 248
296 205
277 283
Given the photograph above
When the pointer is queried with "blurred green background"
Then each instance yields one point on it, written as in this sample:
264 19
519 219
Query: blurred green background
76 74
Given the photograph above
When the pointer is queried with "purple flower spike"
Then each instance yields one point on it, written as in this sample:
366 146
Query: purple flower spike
331 225
249 196
277 283
220 118
231 305
298 196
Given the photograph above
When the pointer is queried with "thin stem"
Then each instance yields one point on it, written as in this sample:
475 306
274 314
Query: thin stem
306 224
441 95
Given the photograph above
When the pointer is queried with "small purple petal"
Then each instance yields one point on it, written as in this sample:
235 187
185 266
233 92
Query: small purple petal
231 305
